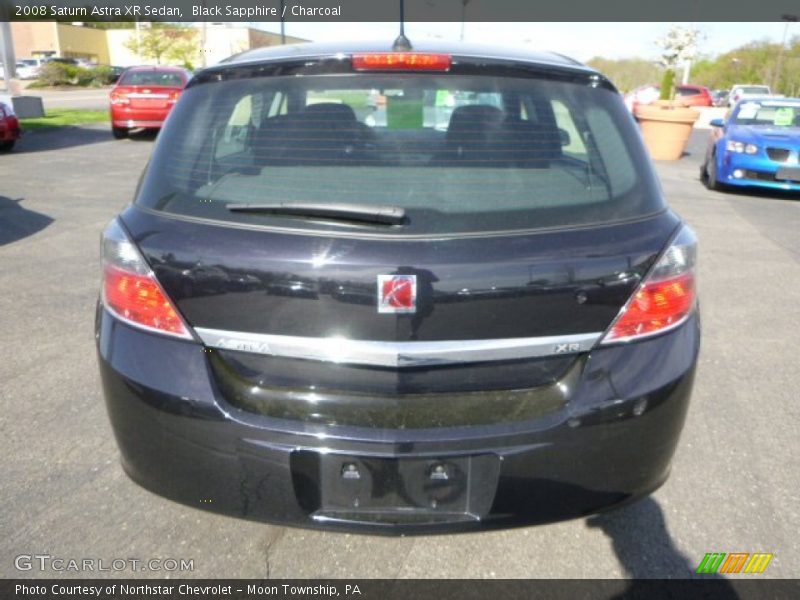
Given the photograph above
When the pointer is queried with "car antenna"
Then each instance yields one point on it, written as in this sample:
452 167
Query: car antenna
402 44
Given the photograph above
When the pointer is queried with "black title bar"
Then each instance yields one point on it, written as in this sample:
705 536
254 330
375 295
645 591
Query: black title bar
389 10
709 588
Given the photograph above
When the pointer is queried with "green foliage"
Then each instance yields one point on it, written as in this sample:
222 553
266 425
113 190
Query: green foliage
667 85
185 47
755 62
55 74
627 73
162 44
110 24
101 75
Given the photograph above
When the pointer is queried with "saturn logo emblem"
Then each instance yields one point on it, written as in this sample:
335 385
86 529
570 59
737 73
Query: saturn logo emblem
397 294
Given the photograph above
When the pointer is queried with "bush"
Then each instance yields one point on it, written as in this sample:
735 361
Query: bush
54 74
102 75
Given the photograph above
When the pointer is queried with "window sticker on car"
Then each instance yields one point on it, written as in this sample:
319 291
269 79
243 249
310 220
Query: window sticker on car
749 110
445 99
784 117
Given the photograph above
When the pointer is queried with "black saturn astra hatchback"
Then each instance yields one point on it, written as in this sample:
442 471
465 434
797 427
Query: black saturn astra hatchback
398 291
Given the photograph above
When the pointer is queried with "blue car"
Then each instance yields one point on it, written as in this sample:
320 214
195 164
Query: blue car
758 145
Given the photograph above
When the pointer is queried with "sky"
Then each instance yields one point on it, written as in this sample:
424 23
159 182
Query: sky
581 41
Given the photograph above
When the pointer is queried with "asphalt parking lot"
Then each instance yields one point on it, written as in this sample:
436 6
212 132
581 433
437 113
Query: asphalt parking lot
735 481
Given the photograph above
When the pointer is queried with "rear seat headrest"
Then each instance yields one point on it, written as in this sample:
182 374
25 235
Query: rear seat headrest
483 135
319 134
330 111
471 123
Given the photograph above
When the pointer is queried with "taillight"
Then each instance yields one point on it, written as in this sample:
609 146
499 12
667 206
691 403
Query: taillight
120 97
130 289
173 97
666 297
401 61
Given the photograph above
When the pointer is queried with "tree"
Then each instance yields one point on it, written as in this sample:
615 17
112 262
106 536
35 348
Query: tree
110 24
752 63
627 73
184 48
159 44
679 47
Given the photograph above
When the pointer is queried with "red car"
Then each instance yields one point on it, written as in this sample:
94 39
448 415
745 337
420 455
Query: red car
144 96
688 95
694 95
9 128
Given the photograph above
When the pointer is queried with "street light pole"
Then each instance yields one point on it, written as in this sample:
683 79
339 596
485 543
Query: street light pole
463 16
776 76
283 23
7 50
204 38
138 42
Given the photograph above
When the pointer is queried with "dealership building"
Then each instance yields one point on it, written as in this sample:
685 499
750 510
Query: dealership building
40 39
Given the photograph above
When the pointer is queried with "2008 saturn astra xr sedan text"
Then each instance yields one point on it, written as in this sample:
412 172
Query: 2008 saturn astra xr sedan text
398 291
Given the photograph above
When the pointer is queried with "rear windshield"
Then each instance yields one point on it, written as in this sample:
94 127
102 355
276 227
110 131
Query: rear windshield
458 153
154 78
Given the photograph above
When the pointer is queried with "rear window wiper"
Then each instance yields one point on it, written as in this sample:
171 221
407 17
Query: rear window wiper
364 213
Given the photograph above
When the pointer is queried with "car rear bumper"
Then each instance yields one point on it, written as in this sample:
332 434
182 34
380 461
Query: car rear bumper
137 123
610 443
133 118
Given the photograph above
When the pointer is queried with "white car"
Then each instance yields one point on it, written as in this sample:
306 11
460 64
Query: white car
30 69
739 92
27 71
27 68
20 68
645 94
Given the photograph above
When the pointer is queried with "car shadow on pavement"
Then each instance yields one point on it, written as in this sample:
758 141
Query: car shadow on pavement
645 548
58 138
765 193
16 222
143 135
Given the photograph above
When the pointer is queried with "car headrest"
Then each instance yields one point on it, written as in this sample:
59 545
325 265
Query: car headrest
330 111
471 124
319 134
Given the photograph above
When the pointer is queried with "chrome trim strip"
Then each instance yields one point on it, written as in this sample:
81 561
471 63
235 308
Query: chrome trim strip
397 354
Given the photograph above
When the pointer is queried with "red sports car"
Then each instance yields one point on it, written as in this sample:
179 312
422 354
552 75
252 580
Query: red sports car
9 128
144 96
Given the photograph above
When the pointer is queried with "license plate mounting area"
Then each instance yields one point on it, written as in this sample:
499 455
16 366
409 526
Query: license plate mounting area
341 487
